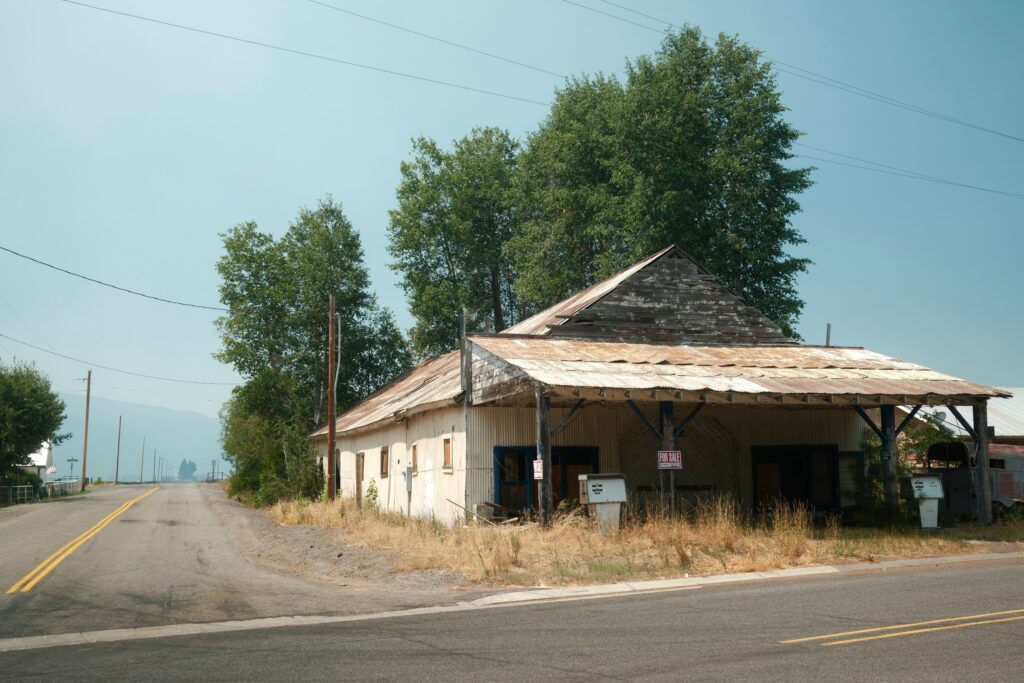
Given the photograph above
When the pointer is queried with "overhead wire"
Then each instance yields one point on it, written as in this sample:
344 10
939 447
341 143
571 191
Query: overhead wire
895 170
23 321
303 53
118 370
835 83
806 74
107 284
911 174
437 39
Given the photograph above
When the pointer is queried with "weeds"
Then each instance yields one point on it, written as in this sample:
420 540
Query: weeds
716 536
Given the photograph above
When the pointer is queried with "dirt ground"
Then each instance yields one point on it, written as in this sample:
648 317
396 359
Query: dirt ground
322 555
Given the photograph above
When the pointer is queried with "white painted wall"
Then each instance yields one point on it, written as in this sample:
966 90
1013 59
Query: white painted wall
624 445
433 485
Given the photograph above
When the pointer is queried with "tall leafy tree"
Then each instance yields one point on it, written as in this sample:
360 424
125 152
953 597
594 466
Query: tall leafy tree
689 149
456 212
30 413
275 335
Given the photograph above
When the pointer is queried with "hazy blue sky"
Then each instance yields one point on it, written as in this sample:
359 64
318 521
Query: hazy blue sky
126 147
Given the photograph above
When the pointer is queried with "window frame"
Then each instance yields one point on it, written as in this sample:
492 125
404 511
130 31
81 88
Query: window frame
385 464
447 456
415 462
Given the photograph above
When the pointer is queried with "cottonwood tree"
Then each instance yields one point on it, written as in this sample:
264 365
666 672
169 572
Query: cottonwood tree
689 149
456 212
275 336
30 414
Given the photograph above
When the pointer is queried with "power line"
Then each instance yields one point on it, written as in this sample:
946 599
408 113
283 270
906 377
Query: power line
303 53
106 367
922 176
911 174
23 321
107 284
439 40
807 74
865 93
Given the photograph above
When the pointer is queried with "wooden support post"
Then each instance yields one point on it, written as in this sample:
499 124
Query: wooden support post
85 437
668 442
981 458
888 429
360 462
547 503
466 360
117 458
331 398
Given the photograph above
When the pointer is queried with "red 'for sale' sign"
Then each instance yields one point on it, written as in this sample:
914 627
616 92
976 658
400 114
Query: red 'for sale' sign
538 469
670 460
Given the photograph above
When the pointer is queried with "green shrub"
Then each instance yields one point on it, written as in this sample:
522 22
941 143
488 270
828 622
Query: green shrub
371 495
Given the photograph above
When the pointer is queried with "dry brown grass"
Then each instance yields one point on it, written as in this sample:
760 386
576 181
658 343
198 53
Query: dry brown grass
715 538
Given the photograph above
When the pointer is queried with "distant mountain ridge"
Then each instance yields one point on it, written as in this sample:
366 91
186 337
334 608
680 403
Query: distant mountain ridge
176 435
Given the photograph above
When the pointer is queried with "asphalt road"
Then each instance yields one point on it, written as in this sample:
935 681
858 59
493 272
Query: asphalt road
166 559
728 632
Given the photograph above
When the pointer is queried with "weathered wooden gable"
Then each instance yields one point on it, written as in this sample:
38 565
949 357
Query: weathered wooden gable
671 300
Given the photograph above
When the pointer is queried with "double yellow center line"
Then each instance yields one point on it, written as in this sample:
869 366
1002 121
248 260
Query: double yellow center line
49 564
913 628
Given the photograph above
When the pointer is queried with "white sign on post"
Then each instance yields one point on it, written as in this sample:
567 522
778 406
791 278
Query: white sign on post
670 460
538 469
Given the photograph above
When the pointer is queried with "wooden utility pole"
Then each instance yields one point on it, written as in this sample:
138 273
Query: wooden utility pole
668 443
889 456
117 458
154 465
142 459
85 439
331 397
981 458
547 503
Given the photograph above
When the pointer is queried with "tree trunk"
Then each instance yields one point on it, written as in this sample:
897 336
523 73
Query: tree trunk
499 317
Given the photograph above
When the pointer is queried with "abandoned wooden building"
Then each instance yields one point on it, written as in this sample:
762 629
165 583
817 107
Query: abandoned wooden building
661 356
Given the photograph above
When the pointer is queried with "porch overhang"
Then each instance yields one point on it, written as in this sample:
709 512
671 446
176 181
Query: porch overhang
506 369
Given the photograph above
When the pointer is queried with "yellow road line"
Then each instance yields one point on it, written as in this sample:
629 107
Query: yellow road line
26 583
922 630
829 636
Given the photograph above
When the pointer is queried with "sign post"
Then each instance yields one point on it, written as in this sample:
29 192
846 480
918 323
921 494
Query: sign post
538 476
671 461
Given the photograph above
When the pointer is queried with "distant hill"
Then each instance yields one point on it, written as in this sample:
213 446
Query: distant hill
175 434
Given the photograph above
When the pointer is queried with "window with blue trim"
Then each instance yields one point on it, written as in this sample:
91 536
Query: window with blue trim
514 486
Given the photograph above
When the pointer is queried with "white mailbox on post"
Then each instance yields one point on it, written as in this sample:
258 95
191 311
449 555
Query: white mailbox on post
604 494
927 490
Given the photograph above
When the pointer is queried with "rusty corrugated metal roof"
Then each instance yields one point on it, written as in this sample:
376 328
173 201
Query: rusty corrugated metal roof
565 363
748 370
432 382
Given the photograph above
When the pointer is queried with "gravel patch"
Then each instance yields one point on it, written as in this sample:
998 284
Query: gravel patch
322 555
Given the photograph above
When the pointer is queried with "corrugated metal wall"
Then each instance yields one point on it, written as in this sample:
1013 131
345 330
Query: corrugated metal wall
716 448
433 485
599 426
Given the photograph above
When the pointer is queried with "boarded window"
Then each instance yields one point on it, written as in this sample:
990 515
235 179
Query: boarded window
415 459
447 454
384 462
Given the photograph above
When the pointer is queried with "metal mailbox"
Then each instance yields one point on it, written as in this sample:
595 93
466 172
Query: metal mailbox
927 489
602 488
604 494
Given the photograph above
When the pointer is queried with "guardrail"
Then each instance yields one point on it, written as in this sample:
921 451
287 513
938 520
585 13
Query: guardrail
62 488
13 495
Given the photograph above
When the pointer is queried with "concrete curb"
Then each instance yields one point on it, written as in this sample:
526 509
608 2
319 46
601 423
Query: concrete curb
743 577
492 601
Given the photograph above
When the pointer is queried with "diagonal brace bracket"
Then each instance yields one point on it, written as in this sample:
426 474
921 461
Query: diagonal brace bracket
960 418
568 416
907 420
869 422
682 425
643 418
